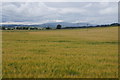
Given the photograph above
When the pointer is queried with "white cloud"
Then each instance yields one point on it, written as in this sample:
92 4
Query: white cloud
59 0
104 4
35 9
26 11
39 12
88 5
58 20
109 10
71 10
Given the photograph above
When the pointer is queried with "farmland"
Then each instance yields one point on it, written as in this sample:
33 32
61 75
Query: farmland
65 53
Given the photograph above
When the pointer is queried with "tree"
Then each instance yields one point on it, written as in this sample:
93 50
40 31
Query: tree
3 28
58 26
48 27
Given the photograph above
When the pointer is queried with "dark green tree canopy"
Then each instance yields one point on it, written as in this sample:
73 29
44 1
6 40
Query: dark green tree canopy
58 26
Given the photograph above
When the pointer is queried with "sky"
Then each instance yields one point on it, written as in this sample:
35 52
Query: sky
73 12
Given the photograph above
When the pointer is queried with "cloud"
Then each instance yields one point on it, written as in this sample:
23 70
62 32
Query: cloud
88 5
39 12
58 20
26 11
71 10
60 0
109 10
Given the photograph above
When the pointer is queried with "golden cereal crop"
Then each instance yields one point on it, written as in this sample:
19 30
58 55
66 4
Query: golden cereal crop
69 53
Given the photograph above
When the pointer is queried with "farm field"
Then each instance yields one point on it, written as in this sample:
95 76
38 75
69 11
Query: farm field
65 53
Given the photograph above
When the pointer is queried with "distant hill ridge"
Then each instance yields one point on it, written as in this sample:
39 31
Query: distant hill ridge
51 24
66 24
63 24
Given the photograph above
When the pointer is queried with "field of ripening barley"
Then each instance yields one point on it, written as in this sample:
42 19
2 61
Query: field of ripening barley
65 53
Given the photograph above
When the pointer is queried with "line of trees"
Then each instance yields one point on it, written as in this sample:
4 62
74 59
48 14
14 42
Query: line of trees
107 25
49 28
22 28
29 28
